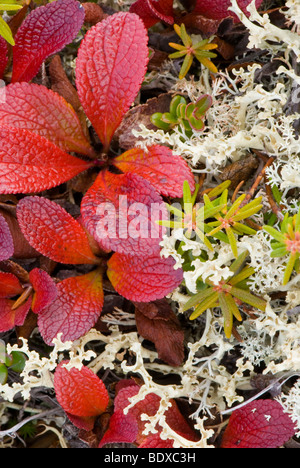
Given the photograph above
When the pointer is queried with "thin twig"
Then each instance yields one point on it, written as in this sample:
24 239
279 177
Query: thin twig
12 430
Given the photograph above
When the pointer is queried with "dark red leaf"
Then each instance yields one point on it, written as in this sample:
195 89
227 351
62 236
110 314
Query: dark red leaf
76 309
30 163
6 240
154 441
153 11
45 290
149 405
10 286
218 9
120 211
111 65
38 109
45 31
259 424
81 394
143 279
3 59
53 232
122 429
165 170
10 318
157 323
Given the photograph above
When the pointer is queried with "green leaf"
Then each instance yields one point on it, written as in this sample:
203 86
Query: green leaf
249 298
197 298
18 361
175 103
3 374
5 32
274 233
226 311
211 301
289 268
187 63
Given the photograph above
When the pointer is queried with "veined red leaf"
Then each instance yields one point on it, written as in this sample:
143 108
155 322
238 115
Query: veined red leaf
76 309
81 394
120 211
110 67
30 163
143 279
6 240
153 11
45 290
10 286
3 58
218 9
122 429
10 318
38 109
165 170
154 441
149 405
45 31
53 232
259 424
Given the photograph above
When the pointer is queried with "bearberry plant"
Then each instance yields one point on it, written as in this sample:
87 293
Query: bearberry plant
35 155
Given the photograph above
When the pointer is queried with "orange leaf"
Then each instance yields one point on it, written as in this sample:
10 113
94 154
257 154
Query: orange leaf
165 170
53 232
38 109
76 309
30 163
81 394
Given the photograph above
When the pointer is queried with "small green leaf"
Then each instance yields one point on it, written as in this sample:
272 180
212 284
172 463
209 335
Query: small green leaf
209 302
5 32
249 298
3 374
227 314
18 361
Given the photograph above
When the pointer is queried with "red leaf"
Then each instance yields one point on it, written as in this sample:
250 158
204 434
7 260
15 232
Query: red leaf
218 9
157 323
75 310
45 290
111 65
30 163
149 405
38 109
10 286
120 211
45 31
6 240
10 318
81 394
163 169
3 58
155 441
143 279
122 429
153 11
53 232
259 424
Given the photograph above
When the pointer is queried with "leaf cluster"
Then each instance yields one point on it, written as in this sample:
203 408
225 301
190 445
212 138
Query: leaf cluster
188 116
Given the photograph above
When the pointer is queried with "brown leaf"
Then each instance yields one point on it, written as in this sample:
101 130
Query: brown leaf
93 13
239 170
204 25
157 323
61 84
140 115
